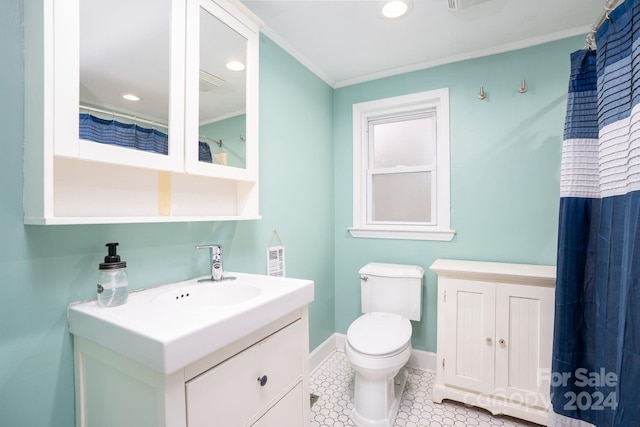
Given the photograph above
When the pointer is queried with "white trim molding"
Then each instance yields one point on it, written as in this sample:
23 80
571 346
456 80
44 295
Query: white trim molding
438 228
438 235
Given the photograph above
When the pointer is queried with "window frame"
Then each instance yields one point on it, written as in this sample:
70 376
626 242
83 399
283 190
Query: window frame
400 107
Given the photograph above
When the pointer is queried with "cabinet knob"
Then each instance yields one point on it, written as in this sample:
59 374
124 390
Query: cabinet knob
262 380
502 341
489 340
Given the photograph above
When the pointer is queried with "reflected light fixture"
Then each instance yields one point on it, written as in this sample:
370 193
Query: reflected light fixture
131 97
209 81
235 66
395 8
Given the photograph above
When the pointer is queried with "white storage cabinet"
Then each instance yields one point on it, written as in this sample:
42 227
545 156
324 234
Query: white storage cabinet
495 336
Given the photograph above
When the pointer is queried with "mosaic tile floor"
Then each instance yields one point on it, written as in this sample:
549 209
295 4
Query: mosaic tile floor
333 383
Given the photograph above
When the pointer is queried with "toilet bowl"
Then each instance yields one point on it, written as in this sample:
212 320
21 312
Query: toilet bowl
378 343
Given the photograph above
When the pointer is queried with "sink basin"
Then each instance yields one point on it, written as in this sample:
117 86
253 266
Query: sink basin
203 296
167 328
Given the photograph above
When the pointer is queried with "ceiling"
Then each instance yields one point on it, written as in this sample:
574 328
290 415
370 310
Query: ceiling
346 42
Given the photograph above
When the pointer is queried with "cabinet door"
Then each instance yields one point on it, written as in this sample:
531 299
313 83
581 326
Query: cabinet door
469 325
231 393
221 115
524 335
98 62
287 412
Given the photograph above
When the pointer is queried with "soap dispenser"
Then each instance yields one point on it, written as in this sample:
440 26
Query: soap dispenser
112 279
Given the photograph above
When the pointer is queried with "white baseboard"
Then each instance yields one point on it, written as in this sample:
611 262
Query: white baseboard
322 353
420 359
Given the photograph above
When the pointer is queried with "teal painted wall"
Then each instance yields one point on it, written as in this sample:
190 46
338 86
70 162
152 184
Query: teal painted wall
43 269
505 167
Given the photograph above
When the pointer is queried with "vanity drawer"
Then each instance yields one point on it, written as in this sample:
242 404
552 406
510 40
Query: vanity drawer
288 412
230 393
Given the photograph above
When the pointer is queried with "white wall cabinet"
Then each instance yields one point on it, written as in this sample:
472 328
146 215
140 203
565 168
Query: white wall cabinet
68 180
222 389
495 336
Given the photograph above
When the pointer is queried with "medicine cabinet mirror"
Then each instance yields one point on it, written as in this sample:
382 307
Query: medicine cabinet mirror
125 80
124 66
222 93
127 68
221 106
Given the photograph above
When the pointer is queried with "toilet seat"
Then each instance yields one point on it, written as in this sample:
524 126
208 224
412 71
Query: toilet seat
379 334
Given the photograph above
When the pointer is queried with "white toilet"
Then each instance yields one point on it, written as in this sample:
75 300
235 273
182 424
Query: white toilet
378 343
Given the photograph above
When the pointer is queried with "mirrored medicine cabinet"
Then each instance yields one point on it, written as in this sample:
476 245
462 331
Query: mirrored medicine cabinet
142 111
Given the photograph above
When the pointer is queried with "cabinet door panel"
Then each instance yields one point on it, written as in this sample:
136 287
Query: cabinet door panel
230 394
286 413
92 83
469 349
524 331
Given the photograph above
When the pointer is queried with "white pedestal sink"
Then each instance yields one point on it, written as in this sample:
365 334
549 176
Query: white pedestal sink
168 327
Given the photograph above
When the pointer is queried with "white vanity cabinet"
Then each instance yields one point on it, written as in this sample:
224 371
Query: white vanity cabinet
69 180
221 389
495 336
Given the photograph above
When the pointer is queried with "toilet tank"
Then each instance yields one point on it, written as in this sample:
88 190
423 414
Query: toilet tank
392 288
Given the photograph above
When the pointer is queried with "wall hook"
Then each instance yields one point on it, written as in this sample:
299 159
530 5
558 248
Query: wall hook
523 87
482 94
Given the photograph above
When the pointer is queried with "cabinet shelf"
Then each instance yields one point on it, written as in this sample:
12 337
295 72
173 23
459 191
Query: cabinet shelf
83 192
131 220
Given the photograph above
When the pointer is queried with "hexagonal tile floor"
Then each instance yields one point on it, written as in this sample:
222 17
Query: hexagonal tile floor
333 381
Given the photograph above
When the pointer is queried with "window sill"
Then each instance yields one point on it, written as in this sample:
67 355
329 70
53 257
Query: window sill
437 235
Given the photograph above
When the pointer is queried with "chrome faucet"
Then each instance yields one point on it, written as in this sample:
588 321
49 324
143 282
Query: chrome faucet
217 273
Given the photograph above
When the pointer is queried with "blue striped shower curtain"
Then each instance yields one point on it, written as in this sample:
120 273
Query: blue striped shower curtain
595 378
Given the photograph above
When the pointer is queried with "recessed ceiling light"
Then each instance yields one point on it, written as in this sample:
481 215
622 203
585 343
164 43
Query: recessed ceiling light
235 65
395 9
131 97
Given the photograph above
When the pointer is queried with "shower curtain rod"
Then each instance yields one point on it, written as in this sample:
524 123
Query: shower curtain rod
123 116
205 138
608 7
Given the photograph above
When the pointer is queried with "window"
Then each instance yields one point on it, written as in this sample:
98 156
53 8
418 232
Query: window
401 167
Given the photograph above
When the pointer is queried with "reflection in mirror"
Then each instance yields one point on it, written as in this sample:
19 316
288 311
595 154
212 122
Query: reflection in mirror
124 50
223 93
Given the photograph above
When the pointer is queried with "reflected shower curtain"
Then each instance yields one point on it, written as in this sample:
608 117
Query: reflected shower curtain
130 135
127 135
595 378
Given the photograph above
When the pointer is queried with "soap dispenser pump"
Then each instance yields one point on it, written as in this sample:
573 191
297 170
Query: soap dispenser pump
112 279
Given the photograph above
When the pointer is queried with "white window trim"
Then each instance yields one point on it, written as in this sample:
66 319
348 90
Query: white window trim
362 113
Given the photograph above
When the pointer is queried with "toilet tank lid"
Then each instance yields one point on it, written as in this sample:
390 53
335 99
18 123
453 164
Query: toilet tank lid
392 270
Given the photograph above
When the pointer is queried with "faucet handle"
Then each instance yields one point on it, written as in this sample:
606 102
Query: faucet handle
217 273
